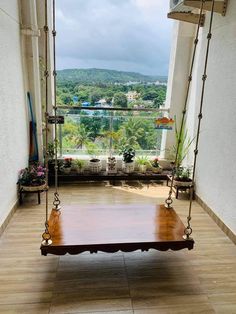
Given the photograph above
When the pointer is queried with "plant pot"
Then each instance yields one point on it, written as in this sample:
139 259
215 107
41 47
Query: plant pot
111 165
182 183
95 165
33 188
79 170
66 170
143 168
128 167
157 169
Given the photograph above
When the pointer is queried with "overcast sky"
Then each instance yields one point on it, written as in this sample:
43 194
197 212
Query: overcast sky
126 35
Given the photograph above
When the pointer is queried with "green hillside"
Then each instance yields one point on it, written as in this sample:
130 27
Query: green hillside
95 76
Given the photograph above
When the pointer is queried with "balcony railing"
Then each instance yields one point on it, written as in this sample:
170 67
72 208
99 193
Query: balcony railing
99 131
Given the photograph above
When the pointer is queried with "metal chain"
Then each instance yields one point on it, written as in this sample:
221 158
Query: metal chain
46 235
188 230
169 200
56 201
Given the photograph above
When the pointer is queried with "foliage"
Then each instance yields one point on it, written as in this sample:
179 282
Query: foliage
183 173
78 163
93 127
184 143
67 162
155 163
128 154
143 160
34 175
91 149
82 137
51 150
103 76
120 100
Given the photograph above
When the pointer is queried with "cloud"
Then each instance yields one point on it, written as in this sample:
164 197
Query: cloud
132 35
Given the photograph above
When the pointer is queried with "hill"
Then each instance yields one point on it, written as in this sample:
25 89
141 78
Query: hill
96 76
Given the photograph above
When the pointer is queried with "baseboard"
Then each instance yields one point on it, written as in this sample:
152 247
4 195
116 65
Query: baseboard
8 217
228 232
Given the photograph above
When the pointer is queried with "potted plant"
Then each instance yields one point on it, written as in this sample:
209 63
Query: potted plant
128 159
182 176
184 142
78 165
156 165
111 165
66 165
95 165
143 162
32 178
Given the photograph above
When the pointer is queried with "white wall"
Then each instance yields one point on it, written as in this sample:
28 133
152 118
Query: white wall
13 109
216 171
216 164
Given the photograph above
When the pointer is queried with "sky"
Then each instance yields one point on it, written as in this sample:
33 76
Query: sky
124 35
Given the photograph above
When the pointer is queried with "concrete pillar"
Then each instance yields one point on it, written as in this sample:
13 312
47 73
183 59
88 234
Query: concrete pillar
181 53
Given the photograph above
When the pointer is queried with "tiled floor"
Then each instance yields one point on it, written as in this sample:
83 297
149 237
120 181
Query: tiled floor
199 281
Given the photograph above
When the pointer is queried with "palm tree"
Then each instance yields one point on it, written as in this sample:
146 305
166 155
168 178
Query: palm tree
132 130
82 136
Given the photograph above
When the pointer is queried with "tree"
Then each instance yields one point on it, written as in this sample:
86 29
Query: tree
82 137
120 100
95 96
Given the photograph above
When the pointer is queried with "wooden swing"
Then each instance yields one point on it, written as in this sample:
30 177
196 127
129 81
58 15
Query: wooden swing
108 227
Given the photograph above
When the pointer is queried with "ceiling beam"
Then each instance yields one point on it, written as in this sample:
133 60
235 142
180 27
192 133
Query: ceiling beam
219 7
187 17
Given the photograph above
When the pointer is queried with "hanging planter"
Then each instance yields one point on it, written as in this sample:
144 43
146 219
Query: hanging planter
164 123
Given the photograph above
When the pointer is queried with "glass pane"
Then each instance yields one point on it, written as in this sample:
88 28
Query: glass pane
105 132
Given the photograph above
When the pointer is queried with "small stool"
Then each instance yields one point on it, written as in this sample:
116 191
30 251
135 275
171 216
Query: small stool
22 191
178 188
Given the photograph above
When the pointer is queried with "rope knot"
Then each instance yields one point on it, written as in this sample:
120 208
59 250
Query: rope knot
209 36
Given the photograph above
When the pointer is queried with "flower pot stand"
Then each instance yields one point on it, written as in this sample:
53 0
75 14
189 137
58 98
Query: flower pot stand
23 191
180 187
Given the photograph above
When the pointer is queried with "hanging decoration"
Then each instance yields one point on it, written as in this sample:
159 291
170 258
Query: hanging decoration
164 123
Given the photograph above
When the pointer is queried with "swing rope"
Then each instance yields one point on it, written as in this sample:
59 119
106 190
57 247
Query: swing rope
188 230
169 200
56 201
46 235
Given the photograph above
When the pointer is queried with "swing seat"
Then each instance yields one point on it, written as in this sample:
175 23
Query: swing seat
111 228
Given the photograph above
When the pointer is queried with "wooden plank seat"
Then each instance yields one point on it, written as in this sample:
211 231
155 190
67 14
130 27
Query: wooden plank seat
112 228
